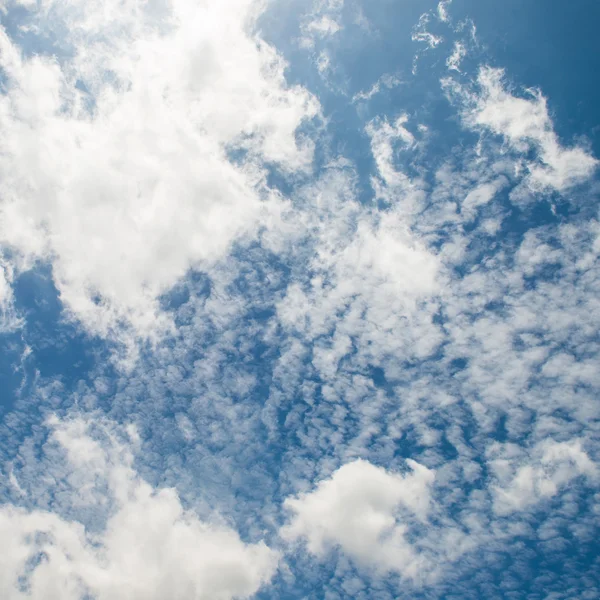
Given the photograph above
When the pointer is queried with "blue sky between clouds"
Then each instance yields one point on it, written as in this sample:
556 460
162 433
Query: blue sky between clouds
416 280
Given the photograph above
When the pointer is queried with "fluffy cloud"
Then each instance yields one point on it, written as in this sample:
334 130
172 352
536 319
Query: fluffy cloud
383 135
357 509
552 466
525 124
137 153
149 548
8 317
442 10
372 282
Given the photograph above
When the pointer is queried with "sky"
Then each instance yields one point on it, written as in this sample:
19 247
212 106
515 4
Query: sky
299 299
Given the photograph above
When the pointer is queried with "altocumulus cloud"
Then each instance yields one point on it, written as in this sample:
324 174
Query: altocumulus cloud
299 300
148 547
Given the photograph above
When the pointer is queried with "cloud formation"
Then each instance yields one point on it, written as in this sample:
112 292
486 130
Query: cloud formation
558 464
411 284
525 124
118 155
148 548
357 510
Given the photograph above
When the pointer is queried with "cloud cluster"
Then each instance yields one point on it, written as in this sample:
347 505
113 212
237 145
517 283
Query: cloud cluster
137 152
150 547
430 299
557 465
9 319
525 124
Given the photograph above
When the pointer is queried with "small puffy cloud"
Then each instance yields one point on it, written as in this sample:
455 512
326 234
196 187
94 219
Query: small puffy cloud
480 196
525 124
370 276
388 253
358 510
323 26
388 142
523 483
149 548
383 135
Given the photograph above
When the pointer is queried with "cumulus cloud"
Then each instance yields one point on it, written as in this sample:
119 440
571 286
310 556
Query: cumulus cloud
395 312
136 153
480 196
357 510
150 547
372 284
390 144
383 135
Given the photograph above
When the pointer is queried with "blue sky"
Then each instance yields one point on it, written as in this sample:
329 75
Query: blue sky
299 299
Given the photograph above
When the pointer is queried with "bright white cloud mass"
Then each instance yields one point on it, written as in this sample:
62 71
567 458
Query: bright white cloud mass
355 509
299 299
115 162
149 546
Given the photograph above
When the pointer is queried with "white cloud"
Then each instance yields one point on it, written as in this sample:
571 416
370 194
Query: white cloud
382 135
442 10
420 33
357 509
388 142
458 53
149 548
428 38
323 62
371 279
388 253
480 196
387 81
412 324
526 124
553 466
323 26
126 196
322 22
9 319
